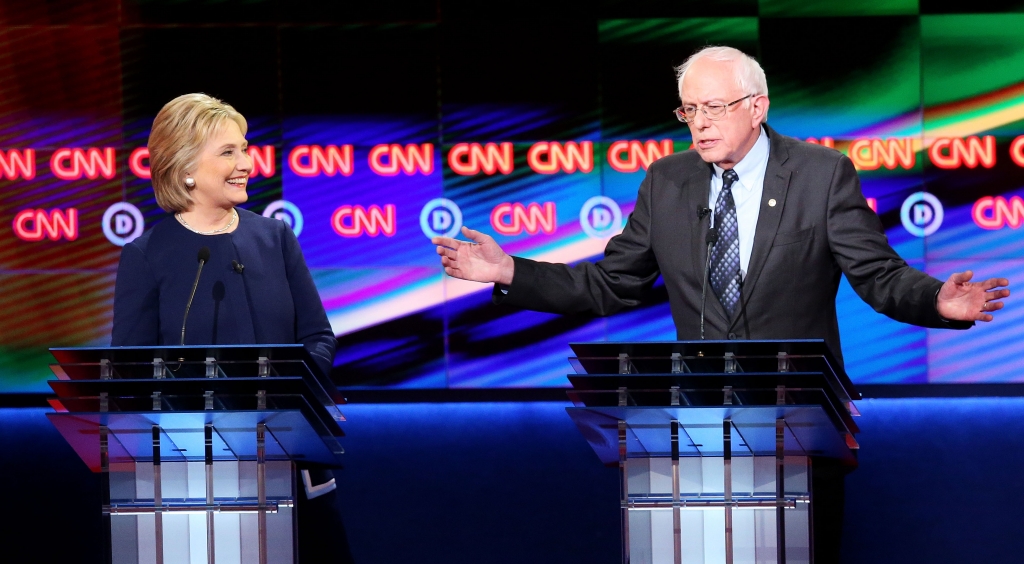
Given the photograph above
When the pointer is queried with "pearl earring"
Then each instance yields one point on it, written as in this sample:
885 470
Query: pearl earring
190 182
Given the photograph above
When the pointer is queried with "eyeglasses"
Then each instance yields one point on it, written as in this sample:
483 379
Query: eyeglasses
713 112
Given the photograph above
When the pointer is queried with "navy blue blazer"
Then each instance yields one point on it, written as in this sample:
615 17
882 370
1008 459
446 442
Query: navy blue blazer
272 301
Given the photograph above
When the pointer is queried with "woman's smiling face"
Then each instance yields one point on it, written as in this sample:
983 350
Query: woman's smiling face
222 169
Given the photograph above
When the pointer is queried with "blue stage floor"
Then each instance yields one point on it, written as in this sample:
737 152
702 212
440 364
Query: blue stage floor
939 481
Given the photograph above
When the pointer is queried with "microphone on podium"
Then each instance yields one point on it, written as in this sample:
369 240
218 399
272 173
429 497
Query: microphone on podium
204 255
711 239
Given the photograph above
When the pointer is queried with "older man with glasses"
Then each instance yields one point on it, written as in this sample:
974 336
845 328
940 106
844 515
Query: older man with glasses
789 216
770 223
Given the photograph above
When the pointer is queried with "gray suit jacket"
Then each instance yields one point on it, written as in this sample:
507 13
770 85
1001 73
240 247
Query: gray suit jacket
819 227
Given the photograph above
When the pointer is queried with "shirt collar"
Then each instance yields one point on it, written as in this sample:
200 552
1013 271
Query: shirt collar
750 163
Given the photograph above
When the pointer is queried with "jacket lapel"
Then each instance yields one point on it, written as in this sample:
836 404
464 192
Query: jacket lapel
776 185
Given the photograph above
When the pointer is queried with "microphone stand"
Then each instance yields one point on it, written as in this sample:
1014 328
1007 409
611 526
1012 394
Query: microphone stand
712 238
204 255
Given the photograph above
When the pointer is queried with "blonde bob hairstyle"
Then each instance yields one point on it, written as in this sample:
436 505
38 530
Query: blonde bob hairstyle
179 132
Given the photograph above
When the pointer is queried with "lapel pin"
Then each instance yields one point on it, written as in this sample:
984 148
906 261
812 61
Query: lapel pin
771 203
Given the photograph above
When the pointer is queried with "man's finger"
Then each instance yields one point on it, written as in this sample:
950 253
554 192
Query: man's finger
993 306
997 294
446 242
476 236
995 283
961 277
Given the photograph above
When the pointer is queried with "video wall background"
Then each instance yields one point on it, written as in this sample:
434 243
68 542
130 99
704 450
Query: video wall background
375 125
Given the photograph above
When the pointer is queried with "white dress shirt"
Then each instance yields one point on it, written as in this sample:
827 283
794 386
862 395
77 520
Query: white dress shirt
746 192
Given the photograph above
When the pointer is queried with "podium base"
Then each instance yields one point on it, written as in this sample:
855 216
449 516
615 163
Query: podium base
160 513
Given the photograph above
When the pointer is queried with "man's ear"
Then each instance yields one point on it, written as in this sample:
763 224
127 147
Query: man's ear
759 105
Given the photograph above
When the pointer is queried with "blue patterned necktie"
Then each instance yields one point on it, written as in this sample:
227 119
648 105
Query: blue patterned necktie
725 257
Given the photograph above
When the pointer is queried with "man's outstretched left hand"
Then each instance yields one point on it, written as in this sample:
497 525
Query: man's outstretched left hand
960 299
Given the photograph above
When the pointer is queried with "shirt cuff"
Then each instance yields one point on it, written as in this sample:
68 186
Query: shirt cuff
319 489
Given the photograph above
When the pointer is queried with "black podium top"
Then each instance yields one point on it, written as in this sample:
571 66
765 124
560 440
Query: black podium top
126 391
698 384
711 357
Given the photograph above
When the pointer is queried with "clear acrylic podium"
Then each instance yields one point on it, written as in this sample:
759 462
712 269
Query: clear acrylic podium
713 440
198 445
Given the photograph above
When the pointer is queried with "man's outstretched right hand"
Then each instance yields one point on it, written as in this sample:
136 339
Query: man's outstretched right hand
481 260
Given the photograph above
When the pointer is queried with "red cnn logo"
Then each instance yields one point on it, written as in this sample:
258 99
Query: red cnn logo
138 162
873 204
262 161
16 164
74 163
389 160
824 142
1016 151
949 153
637 154
870 154
354 221
513 219
35 225
550 157
467 159
314 160
998 212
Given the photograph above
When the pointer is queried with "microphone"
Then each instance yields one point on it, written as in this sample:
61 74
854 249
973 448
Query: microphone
703 212
237 266
204 255
712 238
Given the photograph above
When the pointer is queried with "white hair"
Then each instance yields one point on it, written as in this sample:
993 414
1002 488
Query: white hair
749 74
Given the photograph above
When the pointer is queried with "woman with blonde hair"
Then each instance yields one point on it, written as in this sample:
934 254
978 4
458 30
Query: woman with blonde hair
255 287
200 170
